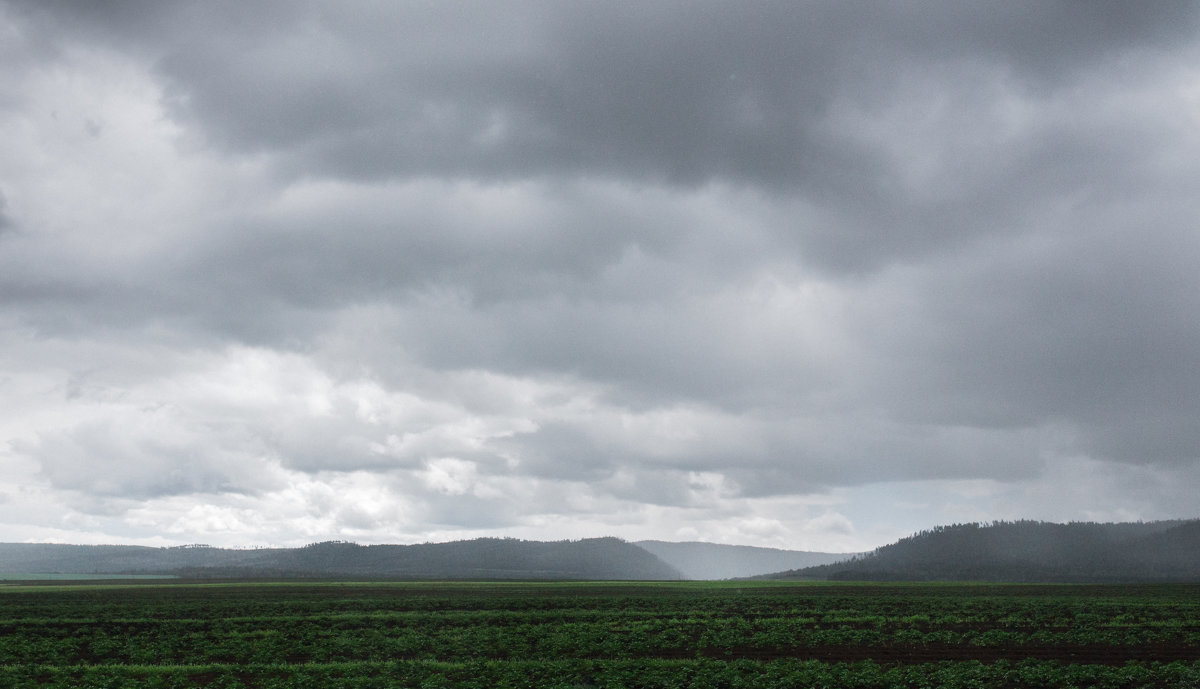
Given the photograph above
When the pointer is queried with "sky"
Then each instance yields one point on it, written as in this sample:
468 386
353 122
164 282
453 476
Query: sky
808 275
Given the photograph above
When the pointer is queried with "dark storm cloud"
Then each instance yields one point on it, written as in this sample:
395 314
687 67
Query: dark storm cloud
662 92
657 91
642 90
684 92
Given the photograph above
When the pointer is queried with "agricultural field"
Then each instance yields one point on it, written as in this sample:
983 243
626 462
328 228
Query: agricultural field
576 635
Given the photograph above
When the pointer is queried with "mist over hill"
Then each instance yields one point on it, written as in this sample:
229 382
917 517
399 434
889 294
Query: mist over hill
483 558
1028 551
699 560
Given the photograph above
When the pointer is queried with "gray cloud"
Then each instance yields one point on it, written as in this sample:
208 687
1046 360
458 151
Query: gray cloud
6 222
507 264
1089 330
112 460
654 90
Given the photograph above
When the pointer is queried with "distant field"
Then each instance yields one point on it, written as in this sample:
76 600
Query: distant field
571 634
35 576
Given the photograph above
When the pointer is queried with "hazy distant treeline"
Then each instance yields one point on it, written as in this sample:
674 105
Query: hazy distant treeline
484 558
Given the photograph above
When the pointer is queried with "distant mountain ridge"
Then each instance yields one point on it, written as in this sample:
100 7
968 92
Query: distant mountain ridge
483 558
700 560
1028 551
1024 551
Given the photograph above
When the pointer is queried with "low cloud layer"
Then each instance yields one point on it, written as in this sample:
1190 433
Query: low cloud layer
806 275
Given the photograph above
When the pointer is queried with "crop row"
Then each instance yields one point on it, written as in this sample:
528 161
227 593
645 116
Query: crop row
269 641
643 674
582 635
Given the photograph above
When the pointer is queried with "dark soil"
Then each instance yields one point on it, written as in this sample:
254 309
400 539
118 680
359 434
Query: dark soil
1094 654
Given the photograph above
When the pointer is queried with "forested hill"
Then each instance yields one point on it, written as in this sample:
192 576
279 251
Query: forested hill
484 558
1028 551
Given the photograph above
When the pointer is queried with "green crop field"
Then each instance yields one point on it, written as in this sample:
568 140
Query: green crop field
566 634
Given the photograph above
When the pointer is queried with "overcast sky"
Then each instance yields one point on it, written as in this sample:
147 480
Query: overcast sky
812 275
